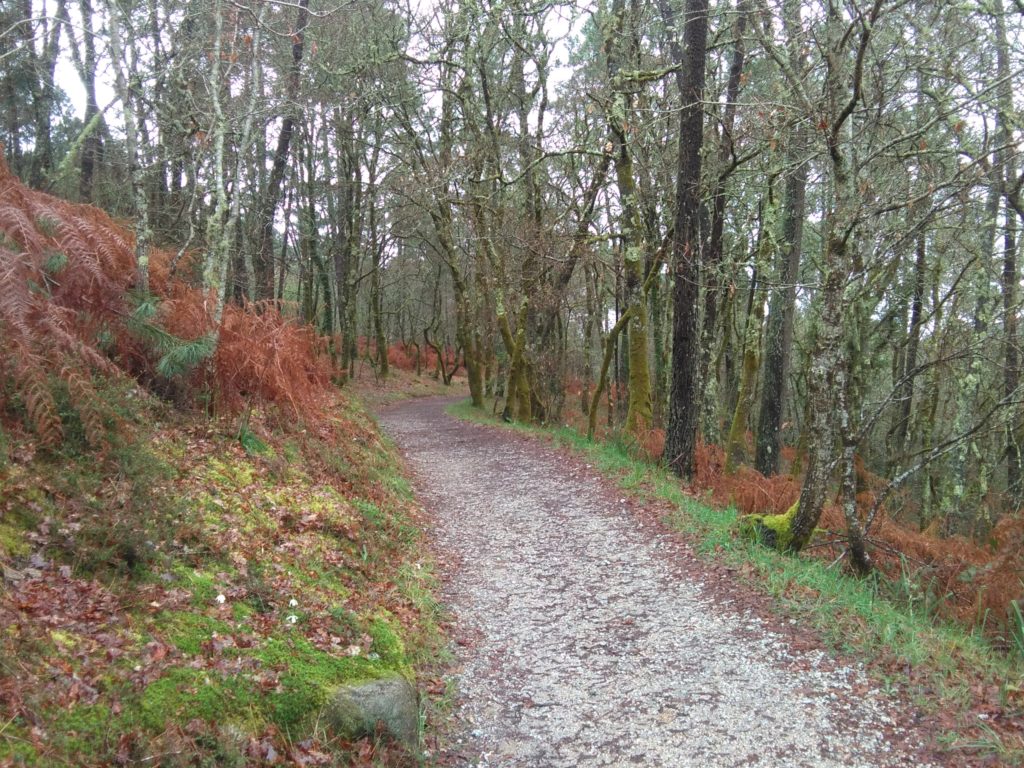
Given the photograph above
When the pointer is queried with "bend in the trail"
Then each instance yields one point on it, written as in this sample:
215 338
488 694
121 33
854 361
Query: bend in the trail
592 647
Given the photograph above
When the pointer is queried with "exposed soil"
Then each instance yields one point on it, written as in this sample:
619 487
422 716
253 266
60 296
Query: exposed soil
589 635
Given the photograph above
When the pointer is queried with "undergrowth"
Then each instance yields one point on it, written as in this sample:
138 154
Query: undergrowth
891 625
193 596
72 319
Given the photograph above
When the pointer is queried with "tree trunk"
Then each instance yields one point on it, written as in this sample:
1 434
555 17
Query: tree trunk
735 447
610 345
904 395
263 256
828 380
136 172
712 262
684 405
620 50
782 307
1010 277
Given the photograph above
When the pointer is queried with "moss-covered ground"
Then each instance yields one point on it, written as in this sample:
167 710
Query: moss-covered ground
192 595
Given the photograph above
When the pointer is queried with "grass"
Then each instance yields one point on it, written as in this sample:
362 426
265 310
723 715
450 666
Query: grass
941 665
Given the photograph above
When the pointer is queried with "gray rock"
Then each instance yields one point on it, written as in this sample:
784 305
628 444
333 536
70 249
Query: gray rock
354 710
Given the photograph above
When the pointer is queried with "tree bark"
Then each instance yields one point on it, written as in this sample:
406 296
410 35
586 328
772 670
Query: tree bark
684 405
782 306
735 447
263 257
620 49
828 380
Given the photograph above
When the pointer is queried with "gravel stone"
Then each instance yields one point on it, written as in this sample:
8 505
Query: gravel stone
581 642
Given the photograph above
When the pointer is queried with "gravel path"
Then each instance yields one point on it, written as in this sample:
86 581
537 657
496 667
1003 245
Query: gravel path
588 637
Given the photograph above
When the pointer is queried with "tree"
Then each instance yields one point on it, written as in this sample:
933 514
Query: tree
684 406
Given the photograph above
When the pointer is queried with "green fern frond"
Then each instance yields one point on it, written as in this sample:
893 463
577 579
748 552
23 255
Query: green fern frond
186 356
177 356
48 224
55 262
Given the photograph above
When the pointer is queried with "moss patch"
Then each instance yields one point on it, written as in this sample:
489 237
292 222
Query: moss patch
12 542
774 531
188 631
307 676
184 694
386 641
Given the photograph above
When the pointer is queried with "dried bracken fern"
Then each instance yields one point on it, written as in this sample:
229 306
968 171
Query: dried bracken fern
68 316
40 404
263 355
62 275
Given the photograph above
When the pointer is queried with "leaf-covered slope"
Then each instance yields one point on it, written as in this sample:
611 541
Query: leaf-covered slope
199 596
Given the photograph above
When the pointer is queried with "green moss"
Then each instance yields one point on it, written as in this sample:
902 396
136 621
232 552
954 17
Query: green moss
30 505
774 531
83 731
184 694
200 584
386 642
315 575
188 631
238 474
307 678
12 541
5 449
65 641
16 747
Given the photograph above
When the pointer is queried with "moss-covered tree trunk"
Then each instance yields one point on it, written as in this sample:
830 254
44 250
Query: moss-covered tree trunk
828 378
656 305
736 444
518 397
610 344
855 534
621 53
1006 168
638 411
684 396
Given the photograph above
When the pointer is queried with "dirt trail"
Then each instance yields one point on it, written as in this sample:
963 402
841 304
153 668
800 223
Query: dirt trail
590 638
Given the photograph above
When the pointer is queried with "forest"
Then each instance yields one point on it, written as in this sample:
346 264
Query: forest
769 247
773 245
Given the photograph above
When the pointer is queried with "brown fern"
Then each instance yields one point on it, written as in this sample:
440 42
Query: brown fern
66 273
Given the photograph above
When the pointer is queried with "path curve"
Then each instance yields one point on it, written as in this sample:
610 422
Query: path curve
588 644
